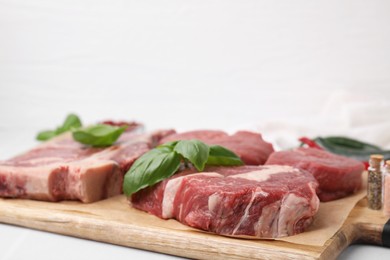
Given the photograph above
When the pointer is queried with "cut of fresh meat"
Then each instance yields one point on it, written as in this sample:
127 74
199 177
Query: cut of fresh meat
250 147
255 201
338 176
62 169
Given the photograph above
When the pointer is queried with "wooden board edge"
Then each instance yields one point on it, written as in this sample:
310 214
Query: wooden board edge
172 242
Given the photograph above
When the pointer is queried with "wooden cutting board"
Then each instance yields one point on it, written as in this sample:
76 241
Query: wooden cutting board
113 221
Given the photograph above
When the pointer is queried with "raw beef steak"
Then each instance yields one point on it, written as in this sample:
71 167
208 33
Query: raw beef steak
250 147
256 201
63 169
338 176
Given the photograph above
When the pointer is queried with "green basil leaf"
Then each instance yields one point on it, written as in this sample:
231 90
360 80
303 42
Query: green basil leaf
219 155
71 122
171 144
45 135
195 151
98 135
151 168
164 161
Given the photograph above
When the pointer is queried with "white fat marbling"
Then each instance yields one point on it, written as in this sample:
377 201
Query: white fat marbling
214 200
255 194
43 160
293 208
264 174
171 190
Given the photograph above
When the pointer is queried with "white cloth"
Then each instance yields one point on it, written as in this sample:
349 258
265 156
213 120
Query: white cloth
358 115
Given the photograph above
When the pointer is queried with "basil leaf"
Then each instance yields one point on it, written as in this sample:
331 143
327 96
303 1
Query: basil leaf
45 135
219 155
164 161
171 144
98 135
195 151
72 121
151 168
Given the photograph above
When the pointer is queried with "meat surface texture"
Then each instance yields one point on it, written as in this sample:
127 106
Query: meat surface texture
250 147
338 176
244 201
63 169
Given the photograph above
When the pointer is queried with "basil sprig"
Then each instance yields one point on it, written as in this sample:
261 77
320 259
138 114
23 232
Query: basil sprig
163 161
98 135
71 122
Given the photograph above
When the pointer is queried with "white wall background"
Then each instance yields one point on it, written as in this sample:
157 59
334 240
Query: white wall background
188 64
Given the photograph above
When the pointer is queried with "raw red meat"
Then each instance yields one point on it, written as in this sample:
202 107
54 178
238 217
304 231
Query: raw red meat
62 169
256 201
250 147
338 176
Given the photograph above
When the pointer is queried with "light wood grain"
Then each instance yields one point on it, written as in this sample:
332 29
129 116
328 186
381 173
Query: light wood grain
113 221
363 224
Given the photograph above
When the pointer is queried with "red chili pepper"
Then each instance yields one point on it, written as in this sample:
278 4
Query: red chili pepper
309 142
366 164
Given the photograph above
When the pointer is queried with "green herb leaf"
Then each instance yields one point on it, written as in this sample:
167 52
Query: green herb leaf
219 155
194 151
171 144
350 148
98 135
71 122
45 135
151 168
164 161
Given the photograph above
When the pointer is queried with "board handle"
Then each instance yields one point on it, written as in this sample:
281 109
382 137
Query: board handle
386 234
374 234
